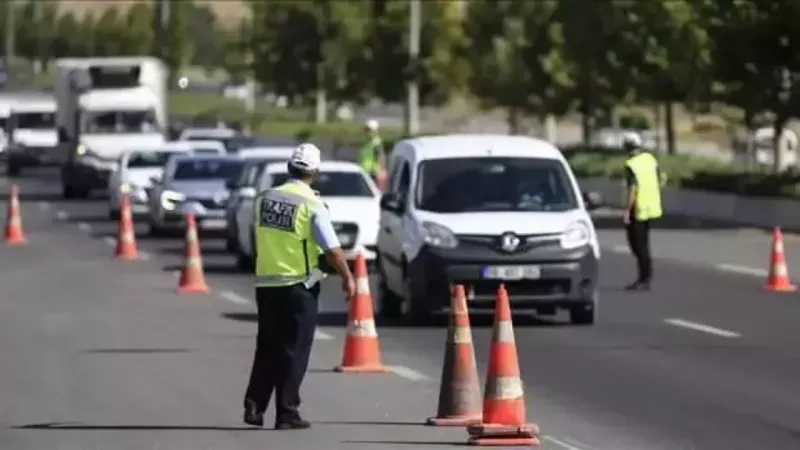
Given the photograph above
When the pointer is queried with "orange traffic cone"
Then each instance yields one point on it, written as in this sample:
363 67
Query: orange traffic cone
14 233
778 280
126 238
193 280
459 391
362 350
503 401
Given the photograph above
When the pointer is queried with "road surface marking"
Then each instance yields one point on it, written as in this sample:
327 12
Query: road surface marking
83 226
44 206
176 274
744 270
567 445
619 249
144 256
61 215
235 298
408 373
702 328
322 336
110 241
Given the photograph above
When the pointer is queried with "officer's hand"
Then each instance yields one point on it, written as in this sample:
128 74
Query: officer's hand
349 287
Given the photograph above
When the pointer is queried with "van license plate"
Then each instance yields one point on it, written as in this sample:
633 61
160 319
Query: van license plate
512 272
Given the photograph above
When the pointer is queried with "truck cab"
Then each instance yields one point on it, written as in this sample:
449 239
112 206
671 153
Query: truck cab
105 107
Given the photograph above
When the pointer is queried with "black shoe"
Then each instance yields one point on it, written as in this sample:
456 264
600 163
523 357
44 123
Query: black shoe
293 424
252 416
638 286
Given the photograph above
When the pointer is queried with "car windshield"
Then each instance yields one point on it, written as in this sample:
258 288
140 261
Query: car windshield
205 169
149 159
35 121
334 184
493 184
252 172
206 151
119 122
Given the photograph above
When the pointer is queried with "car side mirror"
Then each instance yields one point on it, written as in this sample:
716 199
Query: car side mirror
392 202
592 200
248 192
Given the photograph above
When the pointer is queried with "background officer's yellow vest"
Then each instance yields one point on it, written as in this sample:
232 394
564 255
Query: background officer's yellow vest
368 154
648 186
285 248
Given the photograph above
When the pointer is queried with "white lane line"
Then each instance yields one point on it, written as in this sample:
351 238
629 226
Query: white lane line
110 241
44 206
235 298
176 274
83 226
619 249
702 328
566 443
144 256
61 215
408 373
744 270
322 336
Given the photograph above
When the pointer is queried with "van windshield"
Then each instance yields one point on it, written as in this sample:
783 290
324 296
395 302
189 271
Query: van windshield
457 185
104 122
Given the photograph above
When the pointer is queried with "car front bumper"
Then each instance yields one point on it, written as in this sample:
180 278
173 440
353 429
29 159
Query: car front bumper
566 277
206 219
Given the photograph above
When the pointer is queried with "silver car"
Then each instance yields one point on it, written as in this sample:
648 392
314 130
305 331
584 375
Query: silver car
196 184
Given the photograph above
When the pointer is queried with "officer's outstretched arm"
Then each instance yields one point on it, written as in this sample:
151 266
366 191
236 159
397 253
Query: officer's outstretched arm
326 238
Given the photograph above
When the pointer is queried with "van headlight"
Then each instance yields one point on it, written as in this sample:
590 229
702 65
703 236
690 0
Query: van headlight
576 235
438 235
171 199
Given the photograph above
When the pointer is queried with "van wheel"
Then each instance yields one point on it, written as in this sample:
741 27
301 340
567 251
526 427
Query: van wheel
415 310
390 304
244 263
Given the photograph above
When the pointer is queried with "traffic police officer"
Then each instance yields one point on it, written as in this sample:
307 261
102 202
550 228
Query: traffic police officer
370 156
293 231
644 180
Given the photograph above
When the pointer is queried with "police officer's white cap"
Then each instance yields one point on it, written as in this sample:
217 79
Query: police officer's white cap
372 125
631 140
305 157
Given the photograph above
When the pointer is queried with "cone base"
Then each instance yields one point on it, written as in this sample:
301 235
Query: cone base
194 290
361 369
127 257
505 441
496 430
462 421
781 288
17 241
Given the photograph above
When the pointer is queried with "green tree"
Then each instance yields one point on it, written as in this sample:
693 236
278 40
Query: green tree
211 42
235 52
515 59
109 32
137 35
754 59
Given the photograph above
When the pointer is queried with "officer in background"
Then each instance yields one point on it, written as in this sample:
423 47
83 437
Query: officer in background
644 180
371 156
293 231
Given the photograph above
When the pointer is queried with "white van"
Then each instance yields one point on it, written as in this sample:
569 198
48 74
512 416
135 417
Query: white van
32 134
481 210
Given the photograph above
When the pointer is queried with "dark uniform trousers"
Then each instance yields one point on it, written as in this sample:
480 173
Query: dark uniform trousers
638 233
287 318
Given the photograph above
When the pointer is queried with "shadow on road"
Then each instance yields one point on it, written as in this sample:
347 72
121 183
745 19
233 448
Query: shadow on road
220 269
477 320
409 443
133 351
72 426
180 250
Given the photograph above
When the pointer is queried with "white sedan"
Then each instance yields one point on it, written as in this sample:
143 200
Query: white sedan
351 196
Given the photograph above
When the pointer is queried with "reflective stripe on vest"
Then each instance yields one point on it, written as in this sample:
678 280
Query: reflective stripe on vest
648 186
285 248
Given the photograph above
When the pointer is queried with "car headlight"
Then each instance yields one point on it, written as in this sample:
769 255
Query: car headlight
220 198
171 199
576 235
438 235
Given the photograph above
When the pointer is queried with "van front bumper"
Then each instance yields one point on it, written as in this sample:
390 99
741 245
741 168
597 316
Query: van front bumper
565 277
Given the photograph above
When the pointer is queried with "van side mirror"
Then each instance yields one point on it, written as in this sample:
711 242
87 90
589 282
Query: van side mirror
392 202
247 192
231 185
592 200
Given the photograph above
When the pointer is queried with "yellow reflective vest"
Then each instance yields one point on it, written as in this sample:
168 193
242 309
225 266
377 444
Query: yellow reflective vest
368 155
648 186
286 251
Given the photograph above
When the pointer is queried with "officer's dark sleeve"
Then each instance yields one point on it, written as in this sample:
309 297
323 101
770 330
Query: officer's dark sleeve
630 178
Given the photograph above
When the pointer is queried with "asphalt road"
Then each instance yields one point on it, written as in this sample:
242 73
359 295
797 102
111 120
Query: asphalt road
99 354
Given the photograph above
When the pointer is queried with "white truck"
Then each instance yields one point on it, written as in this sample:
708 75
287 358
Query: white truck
106 106
31 130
